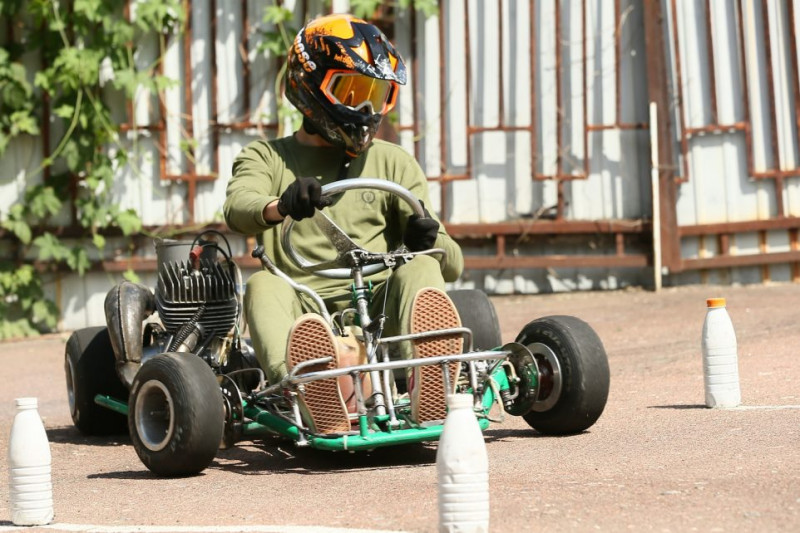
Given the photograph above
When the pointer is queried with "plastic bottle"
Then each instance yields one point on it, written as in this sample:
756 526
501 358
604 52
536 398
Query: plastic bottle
30 485
462 466
720 359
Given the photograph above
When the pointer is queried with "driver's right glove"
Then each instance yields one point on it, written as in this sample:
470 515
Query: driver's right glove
301 198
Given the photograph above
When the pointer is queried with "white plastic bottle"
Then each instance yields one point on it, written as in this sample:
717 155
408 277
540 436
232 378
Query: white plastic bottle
30 485
720 358
462 466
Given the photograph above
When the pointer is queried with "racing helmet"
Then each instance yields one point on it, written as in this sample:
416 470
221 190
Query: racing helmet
343 75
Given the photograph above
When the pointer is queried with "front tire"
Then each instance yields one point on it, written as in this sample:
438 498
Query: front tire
573 374
89 366
176 414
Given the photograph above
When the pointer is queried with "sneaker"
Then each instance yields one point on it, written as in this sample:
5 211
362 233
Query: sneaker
431 310
321 401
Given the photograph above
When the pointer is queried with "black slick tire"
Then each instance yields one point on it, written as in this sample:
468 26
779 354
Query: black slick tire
90 370
479 315
574 374
176 414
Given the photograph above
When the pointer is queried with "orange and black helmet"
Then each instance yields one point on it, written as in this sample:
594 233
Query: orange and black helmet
343 76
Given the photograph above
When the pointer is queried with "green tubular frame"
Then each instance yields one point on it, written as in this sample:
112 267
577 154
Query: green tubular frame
265 423
268 423
112 403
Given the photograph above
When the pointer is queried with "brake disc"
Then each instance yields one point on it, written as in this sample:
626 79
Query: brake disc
527 372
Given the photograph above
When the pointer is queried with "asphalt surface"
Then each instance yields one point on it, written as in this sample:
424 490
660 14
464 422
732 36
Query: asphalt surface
657 460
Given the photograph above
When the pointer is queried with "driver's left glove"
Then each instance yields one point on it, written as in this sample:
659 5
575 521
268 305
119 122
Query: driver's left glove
420 232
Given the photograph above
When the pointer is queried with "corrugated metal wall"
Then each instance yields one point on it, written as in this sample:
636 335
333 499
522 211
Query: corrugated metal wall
531 118
735 74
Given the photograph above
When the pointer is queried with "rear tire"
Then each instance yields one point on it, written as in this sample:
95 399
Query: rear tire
176 414
90 370
478 314
574 375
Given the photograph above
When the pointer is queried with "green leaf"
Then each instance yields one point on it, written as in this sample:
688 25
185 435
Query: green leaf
126 80
129 222
57 25
188 145
24 276
131 276
161 16
78 259
64 111
273 42
162 83
50 247
42 201
45 312
15 329
20 228
41 79
72 156
99 241
88 8
364 8
277 15
23 122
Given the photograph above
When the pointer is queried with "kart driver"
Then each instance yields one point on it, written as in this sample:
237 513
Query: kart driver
343 75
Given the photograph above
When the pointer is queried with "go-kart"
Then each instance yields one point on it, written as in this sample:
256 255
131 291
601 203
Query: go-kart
197 386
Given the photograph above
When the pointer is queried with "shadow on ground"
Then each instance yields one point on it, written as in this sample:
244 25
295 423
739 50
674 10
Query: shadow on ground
71 435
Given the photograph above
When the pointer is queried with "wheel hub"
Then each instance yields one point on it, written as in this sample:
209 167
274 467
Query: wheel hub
154 414
550 379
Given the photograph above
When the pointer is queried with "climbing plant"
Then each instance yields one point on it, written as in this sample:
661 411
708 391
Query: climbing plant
77 43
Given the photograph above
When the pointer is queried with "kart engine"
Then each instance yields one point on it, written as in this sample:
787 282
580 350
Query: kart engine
196 293
199 306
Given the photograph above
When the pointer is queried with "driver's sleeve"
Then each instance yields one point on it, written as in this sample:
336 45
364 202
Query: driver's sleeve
251 188
413 179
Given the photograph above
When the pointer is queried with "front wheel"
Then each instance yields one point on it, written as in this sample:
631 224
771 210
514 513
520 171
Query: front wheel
573 374
176 414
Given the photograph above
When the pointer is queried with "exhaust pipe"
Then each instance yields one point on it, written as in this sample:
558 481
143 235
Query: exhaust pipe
127 305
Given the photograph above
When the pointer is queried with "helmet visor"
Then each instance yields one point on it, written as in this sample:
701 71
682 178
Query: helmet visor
358 92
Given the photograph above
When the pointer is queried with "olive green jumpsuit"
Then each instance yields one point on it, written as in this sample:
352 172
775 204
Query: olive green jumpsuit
375 220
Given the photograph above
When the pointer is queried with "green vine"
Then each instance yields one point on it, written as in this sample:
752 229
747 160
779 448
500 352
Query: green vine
75 41
84 54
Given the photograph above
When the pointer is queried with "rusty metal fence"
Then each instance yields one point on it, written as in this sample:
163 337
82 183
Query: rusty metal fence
569 79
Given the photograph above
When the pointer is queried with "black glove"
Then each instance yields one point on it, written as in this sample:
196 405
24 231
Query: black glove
301 198
420 232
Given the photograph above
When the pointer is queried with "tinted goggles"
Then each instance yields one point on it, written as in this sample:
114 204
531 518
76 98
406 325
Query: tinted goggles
357 91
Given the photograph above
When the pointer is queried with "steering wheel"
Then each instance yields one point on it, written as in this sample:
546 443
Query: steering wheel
348 254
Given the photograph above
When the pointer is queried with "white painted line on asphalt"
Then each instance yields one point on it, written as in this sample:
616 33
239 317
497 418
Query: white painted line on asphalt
89 528
765 407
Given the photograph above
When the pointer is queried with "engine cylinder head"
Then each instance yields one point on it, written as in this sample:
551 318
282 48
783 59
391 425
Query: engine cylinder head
185 286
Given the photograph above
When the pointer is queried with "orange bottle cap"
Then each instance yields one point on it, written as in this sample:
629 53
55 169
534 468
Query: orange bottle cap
715 302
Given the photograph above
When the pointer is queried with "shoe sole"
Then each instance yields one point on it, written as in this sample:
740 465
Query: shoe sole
311 338
431 310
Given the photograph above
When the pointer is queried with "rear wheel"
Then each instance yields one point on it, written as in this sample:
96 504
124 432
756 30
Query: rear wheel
478 314
89 365
176 414
573 374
